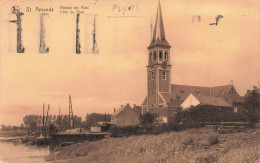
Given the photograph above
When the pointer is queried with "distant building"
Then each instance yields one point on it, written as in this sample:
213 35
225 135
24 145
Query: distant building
137 109
126 116
162 94
101 126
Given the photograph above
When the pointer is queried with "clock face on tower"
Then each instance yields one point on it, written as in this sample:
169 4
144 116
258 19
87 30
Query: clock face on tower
164 65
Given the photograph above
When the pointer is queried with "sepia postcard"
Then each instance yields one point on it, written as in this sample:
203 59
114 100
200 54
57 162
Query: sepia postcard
171 81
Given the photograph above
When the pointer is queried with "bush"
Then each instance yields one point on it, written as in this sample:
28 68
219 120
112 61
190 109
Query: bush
139 130
213 140
252 105
188 141
207 159
147 118
196 117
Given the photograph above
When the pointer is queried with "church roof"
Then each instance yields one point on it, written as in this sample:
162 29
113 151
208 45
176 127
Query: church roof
234 97
160 112
145 101
179 94
168 97
217 91
213 101
183 91
159 34
174 103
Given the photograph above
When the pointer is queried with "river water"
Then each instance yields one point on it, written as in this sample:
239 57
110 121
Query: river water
14 152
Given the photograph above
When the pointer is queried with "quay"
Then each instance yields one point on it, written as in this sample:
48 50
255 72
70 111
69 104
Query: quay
60 139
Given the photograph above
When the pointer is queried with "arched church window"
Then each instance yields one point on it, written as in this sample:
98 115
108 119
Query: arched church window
154 55
160 55
151 56
166 55
163 75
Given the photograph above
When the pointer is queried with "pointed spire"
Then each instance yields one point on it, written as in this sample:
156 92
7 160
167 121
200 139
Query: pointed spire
159 34
159 28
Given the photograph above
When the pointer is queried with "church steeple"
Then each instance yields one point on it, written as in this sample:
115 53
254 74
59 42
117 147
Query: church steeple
159 34
159 66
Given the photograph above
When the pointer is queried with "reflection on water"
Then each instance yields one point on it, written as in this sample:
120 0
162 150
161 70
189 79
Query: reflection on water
11 152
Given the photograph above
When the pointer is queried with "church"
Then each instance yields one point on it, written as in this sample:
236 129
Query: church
164 98
162 94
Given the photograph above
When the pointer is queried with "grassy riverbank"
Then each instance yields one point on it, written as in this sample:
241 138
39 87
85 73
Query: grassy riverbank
195 145
13 133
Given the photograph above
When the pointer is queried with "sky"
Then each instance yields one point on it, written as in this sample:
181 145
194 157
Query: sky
201 54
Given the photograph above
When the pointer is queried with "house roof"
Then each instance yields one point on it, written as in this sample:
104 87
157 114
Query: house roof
127 106
137 109
120 109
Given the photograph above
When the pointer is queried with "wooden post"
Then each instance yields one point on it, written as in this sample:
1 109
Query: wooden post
47 114
43 120
71 118
59 120
47 117
52 138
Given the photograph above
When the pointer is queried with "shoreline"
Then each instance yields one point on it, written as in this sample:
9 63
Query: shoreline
11 139
12 133
201 145
16 151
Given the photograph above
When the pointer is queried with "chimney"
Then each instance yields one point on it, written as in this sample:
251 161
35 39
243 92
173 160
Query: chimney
127 104
114 110
134 105
231 82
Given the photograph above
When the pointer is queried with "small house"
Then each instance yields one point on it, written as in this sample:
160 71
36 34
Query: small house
125 116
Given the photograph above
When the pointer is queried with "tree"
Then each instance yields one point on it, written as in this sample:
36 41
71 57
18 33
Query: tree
33 121
147 118
93 118
199 115
4 127
77 121
252 104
